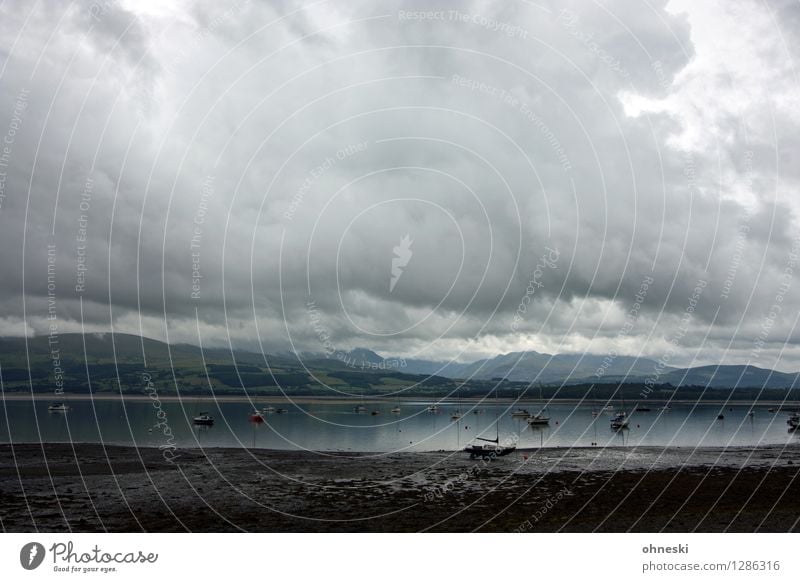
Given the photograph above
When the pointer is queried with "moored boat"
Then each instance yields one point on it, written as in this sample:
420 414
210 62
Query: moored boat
203 419
539 419
619 421
57 407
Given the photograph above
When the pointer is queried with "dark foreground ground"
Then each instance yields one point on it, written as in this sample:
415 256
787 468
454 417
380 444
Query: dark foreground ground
644 489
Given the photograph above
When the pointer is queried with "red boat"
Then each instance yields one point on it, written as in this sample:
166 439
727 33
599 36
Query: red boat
256 417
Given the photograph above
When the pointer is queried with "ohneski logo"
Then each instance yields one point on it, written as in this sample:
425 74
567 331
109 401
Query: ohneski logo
31 555
402 254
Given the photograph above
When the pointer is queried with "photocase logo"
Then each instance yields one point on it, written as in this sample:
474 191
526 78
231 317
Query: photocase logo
402 255
31 555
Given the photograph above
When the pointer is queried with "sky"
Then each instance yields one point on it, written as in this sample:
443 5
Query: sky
444 182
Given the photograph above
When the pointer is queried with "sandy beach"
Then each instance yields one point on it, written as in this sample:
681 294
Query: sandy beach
123 489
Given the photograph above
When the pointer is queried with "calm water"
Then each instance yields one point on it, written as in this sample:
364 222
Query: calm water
336 427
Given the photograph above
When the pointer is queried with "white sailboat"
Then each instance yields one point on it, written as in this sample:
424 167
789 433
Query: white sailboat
541 418
620 420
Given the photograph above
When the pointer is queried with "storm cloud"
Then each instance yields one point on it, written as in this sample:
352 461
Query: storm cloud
434 182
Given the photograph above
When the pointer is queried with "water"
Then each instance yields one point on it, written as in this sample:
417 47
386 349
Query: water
336 427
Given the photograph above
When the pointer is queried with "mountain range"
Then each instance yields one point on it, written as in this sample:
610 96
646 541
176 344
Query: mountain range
93 362
531 366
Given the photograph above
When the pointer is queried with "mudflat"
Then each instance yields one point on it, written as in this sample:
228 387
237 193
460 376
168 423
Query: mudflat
95 488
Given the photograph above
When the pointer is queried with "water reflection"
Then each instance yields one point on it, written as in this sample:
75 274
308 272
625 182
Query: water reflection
339 427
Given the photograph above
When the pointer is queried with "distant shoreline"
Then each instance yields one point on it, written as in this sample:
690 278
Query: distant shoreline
76 397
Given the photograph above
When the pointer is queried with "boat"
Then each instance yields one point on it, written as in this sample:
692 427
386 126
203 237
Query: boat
539 419
255 417
490 448
619 421
268 409
666 408
396 410
720 417
57 407
360 408
433 408
203 419
642 409
457 412
520 413
281 411
794 420
375 412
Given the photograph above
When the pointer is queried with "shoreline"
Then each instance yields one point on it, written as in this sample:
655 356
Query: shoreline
643 449
91 488
272 399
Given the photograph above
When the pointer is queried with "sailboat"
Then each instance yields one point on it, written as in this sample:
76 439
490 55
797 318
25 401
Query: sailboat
203 419
541 418
360 408
457 413
538 419
620 419
490 447
595 410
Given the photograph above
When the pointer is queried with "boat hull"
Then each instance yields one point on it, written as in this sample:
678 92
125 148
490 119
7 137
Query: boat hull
490 452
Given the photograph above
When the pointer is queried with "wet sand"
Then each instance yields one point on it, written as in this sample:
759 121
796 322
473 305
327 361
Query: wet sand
544 490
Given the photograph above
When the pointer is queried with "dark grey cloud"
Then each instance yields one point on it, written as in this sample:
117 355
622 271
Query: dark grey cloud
229 165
